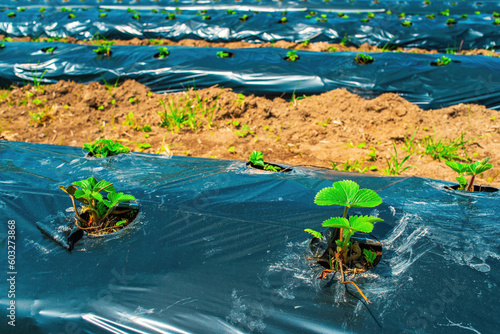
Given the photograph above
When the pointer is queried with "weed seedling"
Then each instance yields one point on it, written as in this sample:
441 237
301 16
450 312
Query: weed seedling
96 206
370 256
394 167
445 150
347 194
469 169
245 131
257 159
102 148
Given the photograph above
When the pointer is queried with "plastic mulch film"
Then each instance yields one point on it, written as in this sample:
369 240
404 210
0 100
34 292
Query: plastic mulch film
220 248
408 25
261 71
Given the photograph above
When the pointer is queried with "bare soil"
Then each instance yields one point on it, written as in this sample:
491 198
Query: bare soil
335 127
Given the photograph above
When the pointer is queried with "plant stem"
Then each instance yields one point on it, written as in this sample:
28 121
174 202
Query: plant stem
357 288
470 187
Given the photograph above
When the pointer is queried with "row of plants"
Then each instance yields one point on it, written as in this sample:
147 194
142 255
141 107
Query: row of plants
346 247
104 49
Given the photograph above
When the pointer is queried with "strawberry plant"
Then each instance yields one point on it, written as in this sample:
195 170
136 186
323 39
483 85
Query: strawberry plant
443 61
473 169
102 148
244 18
104 49
496 22
345 193
283 20
97 212
406 23
257 159
171 16
363 59
163 53
292 55
222 54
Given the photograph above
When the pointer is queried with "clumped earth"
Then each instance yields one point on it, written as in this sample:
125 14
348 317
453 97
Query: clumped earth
336 128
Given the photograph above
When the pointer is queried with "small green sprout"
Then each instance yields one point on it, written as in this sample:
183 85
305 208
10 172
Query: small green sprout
363 59
496 22
244 18
102 148
468 169
445 12
406 23
451 22
104 49
257 159
163 53
136 16
431 16
231 12
283 20
222 54
292 55
103 15
206 17
72 16
370 256
11 15
171 16
443 61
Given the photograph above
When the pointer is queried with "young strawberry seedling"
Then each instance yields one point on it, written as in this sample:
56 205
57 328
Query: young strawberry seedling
163 53
340 249
102 148
469 169
96 214
443 61
223 54
244 18
257 159
292 55
406 23
363 59
170 16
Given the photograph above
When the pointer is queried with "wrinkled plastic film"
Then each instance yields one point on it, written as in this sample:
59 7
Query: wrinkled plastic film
220 248
262 71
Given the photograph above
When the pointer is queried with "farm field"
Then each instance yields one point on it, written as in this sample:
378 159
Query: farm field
250 166
335 129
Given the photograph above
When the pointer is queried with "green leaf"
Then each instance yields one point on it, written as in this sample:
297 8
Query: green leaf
97 196
316 234
257 158
337 222
366 198
370 256
480 166
116 198
457 167
80 193
363 223
347 193
104 186
101 209
121 222
462 181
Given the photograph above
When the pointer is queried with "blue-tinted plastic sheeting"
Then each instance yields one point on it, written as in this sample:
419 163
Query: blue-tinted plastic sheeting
416 6
475 31
220 248
260 71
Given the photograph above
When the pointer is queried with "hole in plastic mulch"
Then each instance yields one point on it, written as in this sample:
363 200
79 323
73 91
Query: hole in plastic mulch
477 188
281 169
360 241
63 229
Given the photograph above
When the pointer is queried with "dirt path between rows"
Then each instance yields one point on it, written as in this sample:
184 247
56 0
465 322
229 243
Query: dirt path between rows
332 129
